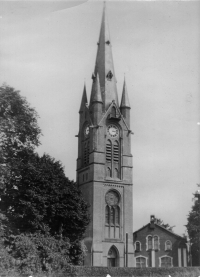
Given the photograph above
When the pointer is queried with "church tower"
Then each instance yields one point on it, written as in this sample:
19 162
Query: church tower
104 164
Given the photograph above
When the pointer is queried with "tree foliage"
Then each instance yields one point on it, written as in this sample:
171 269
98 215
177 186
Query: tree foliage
42 213
19 130
193 229
165 225
43 199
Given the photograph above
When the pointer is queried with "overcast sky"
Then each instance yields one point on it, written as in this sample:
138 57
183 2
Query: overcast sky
47 51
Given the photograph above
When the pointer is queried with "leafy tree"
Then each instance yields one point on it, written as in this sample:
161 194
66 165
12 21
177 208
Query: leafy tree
36 196
193 228
19 131
166 226
43 199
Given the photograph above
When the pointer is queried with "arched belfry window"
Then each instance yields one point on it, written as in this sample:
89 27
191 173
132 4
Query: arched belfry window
113 152
86 153
85 144
108 151
112 215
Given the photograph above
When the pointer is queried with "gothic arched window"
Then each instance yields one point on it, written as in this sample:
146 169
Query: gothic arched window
137 246
112 215
113 158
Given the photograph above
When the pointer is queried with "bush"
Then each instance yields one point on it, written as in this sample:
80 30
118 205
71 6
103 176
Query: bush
133 272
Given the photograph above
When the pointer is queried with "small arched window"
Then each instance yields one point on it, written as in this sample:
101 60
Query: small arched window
137 246
168 245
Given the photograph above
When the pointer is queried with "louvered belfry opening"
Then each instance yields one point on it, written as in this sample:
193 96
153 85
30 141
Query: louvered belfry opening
109 151
113 158
116 152
86 153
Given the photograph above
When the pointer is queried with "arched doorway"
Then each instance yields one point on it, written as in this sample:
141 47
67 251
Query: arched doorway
112 257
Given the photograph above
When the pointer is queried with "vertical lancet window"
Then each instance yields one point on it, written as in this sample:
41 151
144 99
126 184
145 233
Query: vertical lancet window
113 158
112 215
86 152
85 144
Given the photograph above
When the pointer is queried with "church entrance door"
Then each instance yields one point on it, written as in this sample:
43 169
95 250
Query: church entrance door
112 257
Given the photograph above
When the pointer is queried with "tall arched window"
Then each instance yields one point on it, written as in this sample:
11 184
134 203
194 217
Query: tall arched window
156 246
112 215
113 158
149 243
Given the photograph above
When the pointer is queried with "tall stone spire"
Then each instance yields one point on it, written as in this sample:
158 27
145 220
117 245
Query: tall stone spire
84 100
104 65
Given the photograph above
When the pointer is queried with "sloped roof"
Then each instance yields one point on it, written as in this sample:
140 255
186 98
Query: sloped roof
159 226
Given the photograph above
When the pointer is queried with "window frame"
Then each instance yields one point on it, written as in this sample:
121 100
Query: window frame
152 242
140 256
140 246
113 216
165 256
170 245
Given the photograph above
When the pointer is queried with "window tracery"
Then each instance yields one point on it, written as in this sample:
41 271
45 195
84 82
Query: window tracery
112 215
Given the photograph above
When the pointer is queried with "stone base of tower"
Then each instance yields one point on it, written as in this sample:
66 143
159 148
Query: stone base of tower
109 254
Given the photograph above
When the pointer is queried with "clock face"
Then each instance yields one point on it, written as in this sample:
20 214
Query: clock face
112 130
86 131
